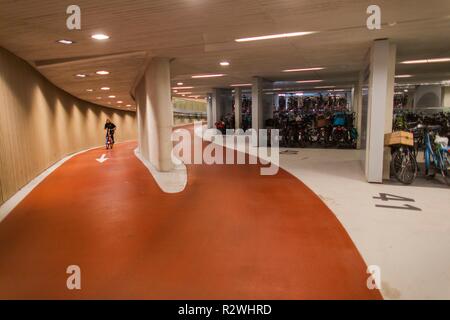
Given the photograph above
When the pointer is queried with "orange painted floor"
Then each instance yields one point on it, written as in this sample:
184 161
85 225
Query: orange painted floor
232 234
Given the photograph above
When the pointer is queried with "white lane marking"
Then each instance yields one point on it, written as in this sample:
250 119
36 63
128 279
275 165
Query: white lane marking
102 159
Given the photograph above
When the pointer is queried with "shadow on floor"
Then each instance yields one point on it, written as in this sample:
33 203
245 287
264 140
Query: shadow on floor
422 180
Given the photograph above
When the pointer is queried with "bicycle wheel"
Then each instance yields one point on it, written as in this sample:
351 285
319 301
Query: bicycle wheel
404 166
443 160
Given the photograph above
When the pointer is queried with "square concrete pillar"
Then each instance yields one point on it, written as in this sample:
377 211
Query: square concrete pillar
262 104
238 108
380 109
155 115
221 103
357 109
276 101
257 103
209 110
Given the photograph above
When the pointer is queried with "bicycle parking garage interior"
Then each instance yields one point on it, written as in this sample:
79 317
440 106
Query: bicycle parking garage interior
246 150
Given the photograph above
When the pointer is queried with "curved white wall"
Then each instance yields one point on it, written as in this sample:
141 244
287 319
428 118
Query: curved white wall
41 124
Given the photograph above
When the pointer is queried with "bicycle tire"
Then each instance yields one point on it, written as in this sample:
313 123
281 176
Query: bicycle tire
404 166
444 173
444 169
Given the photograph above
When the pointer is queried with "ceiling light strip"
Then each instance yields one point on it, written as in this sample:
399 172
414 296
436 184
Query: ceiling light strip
199 76
276 36
304 69
434 60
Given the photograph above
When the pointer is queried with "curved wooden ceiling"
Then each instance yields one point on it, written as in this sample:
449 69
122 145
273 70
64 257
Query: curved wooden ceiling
198 34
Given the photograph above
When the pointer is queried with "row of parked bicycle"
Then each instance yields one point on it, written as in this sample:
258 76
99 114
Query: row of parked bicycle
321 127
311 129
431 134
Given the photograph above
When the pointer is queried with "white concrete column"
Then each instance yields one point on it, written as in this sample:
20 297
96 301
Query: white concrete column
221 103
445 97
349 98
357 109
209 112
380 109
286 101
216 106
238 108
257 103
155 115
276 101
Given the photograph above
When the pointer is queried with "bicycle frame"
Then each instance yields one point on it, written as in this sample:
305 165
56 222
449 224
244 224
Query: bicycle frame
108 141
439 158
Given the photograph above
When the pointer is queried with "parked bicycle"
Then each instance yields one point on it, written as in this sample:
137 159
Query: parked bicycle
403 163
436 153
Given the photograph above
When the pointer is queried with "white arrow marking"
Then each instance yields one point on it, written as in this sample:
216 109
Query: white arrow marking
102 159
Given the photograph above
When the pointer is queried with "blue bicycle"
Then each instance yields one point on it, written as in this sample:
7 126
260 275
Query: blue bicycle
436 153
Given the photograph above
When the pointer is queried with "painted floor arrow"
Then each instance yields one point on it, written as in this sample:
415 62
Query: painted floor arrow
102 159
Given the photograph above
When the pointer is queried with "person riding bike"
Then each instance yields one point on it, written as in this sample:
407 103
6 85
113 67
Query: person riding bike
110 129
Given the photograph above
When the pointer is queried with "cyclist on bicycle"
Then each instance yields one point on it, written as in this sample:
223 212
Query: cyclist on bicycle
110 129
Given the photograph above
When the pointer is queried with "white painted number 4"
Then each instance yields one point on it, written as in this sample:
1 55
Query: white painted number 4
392 197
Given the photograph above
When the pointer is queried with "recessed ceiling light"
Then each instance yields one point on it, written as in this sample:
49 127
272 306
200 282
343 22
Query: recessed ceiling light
81 75
112 97
207 76
128 105
304 69
179 83
175 91
89 90
241 85
224 63
276 36
65 41
308 81
406 90
434 60
102 72
100 36
181 88
105 88
119 101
